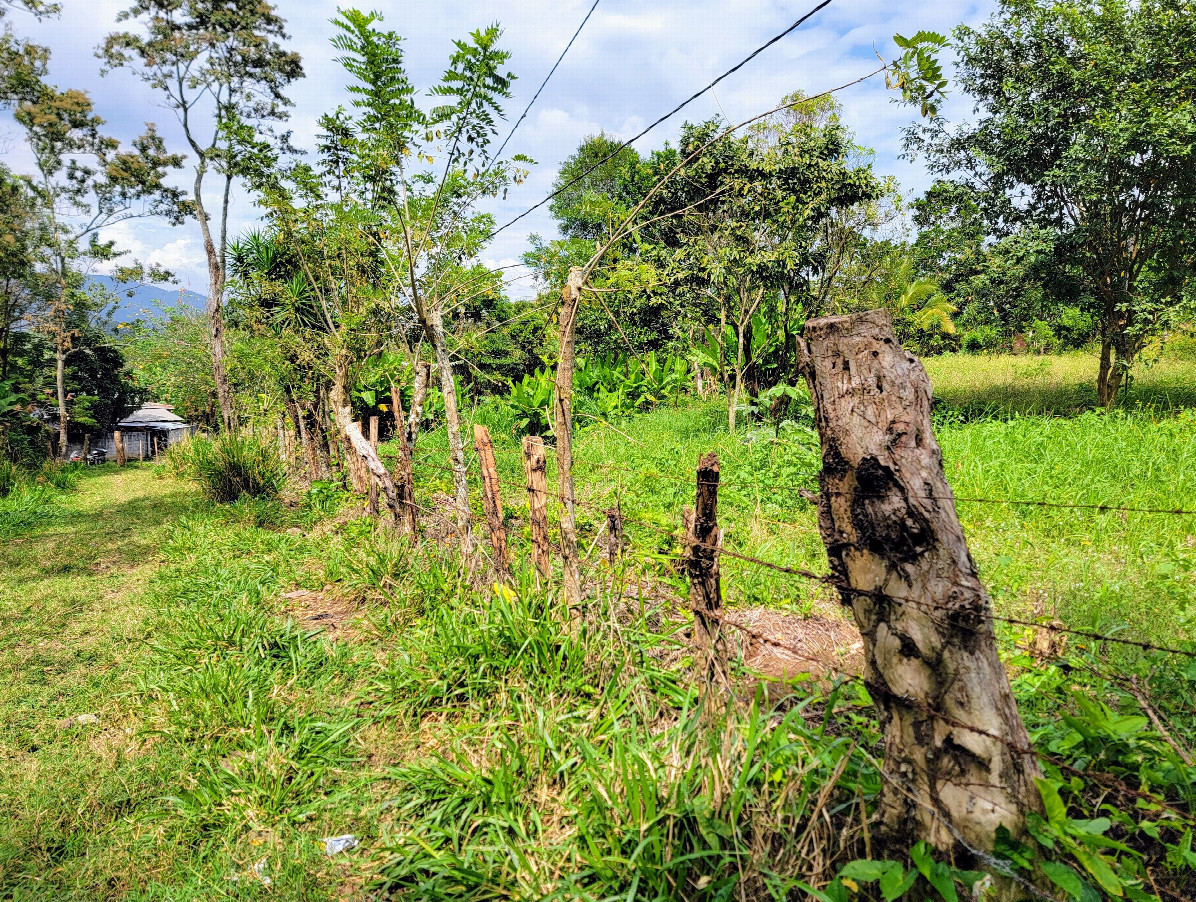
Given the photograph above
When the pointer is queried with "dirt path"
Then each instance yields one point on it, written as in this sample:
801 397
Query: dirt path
72 609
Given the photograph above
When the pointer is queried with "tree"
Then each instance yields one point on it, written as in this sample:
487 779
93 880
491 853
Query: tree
85 183
747 216
432 234
1085 127
22 237
221 68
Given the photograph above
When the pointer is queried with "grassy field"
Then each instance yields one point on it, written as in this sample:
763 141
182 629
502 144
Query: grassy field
264 676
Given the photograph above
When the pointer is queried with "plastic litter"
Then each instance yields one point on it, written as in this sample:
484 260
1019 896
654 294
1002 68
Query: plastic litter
334 845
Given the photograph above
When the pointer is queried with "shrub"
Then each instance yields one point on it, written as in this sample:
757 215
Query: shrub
1075 327
230 466
1041 337
982 338
9 477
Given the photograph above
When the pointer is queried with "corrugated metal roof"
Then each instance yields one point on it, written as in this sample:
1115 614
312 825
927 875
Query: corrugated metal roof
153 417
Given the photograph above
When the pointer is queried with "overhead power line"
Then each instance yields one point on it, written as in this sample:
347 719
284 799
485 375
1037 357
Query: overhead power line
673 112
515 127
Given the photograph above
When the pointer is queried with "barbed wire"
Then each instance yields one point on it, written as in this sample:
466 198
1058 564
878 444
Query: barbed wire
670 114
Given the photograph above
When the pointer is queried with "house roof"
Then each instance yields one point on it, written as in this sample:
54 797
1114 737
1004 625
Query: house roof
150 417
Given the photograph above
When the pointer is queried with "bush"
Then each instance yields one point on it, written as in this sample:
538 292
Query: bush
1075 327
980 339
9 477
230 466
1041 337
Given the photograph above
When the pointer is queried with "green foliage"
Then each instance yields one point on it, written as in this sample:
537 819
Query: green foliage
230 466
1062 144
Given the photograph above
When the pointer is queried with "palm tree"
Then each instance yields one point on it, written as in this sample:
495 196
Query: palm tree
914 299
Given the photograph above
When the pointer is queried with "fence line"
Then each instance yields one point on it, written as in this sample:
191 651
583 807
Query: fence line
827 580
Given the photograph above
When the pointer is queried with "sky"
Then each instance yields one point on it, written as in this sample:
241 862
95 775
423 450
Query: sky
632 62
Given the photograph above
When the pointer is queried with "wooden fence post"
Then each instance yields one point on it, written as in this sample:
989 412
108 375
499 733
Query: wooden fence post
536 469
492 501
897 550
373 482
118 443
702 540
141 447
562 406
614 529
404 472
86 445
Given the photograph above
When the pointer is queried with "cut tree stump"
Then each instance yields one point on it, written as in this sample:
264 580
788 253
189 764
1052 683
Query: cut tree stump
957 757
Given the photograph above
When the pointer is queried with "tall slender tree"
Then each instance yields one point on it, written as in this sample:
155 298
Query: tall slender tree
85 183
223 69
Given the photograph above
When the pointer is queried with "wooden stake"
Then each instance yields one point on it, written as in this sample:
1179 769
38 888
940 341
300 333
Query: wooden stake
950 723
492 501
408 517
372 481
702 540
536 470
614 528
118 443
563 425
141 448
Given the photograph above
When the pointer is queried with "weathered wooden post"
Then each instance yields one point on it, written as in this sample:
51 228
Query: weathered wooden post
536 469
407 516
614 529
562 405
141 447
702 540
118 443
86 445
492 501
373 502
155 449
896 548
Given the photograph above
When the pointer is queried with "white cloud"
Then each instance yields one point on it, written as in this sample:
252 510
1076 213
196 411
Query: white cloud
631 63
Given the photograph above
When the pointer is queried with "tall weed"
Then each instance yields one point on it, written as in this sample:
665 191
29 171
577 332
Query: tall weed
230 466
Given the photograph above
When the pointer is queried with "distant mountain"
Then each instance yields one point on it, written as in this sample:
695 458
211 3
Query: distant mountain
147 300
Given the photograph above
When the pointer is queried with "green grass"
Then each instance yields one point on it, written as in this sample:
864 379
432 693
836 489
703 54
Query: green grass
1060 384
481 749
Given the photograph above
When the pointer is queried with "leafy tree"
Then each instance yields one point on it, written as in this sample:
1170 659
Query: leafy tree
746 217
1085 127
221 67
85 183
167 357
22 237
596 192
423 228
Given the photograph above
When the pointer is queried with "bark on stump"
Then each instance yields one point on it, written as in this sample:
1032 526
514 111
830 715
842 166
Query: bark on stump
563 425
536 469
957 760
702 537
492 501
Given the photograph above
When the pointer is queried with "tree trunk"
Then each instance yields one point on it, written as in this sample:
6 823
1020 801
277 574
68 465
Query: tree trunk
563 425
452 422
60 379
419 395
343 411
957 757
733 400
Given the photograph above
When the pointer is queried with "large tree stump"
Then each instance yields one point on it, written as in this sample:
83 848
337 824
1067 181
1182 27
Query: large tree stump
887 516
